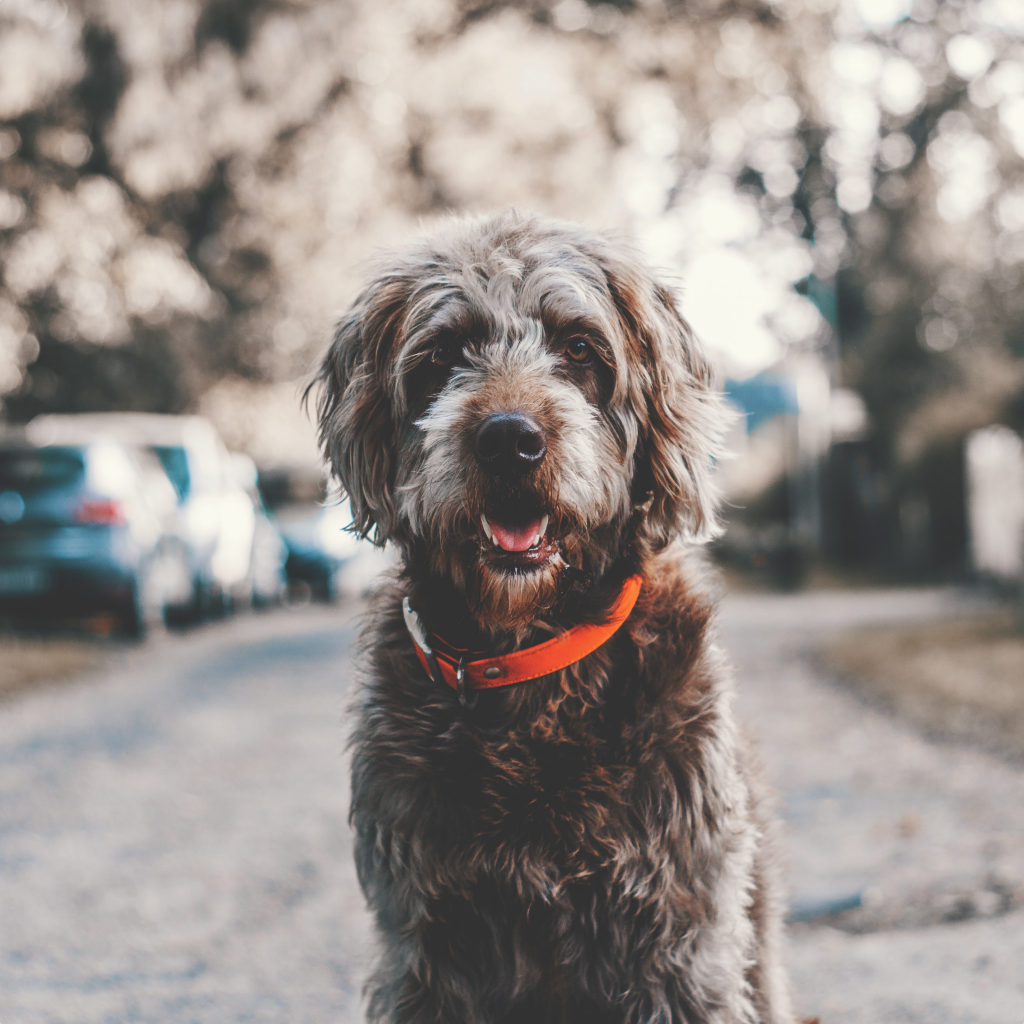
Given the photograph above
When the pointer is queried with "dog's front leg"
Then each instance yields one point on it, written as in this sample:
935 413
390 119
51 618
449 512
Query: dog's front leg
404 990
453 960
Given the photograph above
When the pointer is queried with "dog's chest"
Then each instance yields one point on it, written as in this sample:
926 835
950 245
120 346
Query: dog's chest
519 794
565 805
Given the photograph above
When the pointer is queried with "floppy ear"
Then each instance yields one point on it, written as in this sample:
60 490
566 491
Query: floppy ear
682 417
354 408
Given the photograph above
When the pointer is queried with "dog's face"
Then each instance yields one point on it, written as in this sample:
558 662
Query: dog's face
513 396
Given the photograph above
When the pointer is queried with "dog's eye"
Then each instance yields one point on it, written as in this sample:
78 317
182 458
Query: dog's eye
578 350
444 354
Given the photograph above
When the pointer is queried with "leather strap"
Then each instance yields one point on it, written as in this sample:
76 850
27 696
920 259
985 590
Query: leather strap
521 666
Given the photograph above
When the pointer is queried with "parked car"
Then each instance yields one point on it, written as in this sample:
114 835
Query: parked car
266 581
319 546
215 533
79 533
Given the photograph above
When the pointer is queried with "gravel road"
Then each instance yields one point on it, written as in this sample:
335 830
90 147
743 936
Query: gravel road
174 845
929 835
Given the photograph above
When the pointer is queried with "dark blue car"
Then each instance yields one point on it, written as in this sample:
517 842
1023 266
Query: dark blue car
319 546
78 535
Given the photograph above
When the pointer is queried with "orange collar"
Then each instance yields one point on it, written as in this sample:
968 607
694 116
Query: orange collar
519 666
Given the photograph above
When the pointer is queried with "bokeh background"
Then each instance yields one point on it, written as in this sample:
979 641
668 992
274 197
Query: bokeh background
191 191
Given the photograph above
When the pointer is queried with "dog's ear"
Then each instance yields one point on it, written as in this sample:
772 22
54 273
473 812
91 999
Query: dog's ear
354 407
682 417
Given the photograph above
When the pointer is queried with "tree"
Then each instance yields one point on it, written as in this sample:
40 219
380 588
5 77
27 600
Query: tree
190 190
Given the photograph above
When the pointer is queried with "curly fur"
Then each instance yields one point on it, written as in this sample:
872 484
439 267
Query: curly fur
590 846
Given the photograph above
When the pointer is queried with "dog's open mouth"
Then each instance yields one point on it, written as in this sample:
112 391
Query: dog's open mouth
517 538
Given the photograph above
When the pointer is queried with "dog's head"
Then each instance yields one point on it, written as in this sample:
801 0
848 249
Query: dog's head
514 395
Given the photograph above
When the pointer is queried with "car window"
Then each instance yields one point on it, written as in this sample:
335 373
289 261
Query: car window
37 470
174 459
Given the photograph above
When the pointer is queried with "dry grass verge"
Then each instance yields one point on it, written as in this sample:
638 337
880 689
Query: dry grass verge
30 661
962 679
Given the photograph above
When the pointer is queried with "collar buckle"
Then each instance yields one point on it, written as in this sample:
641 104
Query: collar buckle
419 637
460 684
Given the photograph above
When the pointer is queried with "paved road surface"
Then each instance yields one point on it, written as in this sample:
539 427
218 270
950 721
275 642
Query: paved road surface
932 834
174 846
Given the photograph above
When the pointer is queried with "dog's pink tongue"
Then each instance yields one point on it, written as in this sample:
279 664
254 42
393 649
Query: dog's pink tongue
515 538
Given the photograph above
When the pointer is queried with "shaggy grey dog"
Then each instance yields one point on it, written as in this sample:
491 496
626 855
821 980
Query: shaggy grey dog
516 405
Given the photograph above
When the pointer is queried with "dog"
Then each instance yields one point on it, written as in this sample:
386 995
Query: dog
556 817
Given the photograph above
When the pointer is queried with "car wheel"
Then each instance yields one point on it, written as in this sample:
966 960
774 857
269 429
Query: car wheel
191 611
132 616
143 613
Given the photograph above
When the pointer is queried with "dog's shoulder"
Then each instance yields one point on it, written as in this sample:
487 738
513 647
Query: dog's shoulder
680 675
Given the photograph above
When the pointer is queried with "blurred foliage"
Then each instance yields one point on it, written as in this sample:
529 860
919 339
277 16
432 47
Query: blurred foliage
189 190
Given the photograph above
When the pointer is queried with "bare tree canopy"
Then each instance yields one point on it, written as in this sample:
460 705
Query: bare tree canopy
189 190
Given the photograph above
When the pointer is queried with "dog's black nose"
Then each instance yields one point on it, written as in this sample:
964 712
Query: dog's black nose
510 442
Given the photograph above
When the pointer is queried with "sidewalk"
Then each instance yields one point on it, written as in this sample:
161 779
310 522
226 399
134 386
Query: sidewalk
929 837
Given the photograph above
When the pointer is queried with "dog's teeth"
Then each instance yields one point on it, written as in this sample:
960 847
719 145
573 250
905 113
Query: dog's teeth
543 529
487 528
